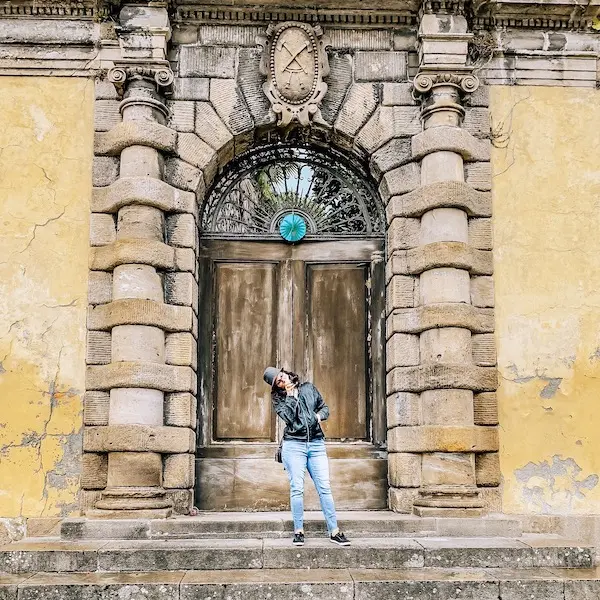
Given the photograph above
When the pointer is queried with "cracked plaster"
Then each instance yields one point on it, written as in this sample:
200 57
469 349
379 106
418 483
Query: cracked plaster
546 186
46 141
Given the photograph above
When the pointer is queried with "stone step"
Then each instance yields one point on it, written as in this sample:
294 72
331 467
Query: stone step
279 524
316 584
369 553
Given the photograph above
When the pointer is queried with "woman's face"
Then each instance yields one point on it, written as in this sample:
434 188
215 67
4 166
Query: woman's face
282 380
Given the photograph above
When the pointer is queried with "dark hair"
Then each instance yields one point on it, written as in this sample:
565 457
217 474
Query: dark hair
293 377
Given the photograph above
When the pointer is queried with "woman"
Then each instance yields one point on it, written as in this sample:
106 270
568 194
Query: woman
302 408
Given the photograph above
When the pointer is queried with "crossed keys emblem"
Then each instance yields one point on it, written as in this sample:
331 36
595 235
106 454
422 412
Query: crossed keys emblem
293 67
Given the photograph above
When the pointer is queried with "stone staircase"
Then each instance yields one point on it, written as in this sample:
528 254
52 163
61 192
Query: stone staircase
230 556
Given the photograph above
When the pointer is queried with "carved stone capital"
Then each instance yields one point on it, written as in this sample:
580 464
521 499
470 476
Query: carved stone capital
159 73
425 81
295 63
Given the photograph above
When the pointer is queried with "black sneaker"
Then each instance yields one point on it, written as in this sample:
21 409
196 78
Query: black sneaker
298 539
340 539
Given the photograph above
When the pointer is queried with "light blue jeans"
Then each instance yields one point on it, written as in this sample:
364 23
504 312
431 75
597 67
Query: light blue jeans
297 458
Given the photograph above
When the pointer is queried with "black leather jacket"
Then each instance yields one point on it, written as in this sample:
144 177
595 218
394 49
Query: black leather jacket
300 414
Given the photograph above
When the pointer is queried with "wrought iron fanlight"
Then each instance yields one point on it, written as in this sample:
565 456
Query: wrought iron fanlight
260 191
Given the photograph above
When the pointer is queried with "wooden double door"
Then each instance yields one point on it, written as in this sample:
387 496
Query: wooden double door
316 309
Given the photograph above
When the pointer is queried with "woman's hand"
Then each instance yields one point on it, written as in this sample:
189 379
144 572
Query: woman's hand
289 388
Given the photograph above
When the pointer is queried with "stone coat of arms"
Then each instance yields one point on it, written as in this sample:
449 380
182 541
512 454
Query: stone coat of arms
295 63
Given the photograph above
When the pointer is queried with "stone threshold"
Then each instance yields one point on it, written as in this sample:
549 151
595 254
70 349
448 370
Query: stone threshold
339 584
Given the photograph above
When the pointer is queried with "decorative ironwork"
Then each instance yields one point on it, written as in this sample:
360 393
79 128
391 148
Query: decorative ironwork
264 186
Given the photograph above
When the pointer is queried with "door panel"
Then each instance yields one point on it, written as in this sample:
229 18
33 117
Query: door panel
336 346
245 343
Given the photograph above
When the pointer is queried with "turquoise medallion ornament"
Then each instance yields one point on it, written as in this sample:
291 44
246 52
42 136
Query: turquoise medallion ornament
292 228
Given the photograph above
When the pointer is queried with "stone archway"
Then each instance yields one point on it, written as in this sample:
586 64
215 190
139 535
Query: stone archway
153 168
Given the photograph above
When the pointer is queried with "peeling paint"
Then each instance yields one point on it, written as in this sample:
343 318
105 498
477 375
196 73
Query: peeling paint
44 244
550 487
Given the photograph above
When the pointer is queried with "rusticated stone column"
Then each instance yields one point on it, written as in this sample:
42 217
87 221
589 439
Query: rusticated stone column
436 453
151 346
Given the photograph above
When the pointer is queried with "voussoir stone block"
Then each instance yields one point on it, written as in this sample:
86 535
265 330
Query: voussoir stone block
402 350
138 438
190 88
404 469
441 376
391 155
439 254
178 471
96 407
138 311
142 190
431 438
487 469
180 410
442 194
211 129
403 408
102 229
135 133
132 251
485 408
339 80
199 154
227 100
181 115
181 174
400 181
359 105
451 139
94 471
386 123
421 318
156 376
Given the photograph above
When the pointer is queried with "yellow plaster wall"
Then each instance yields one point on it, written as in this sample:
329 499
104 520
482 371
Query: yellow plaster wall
546 195
46 145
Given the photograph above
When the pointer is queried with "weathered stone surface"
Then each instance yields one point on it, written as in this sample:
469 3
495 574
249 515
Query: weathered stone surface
444 225
403 233
95 408
140 251
477 122
448 468
403 408
134 343
480 97
443 194
482 291
198 153
138 438
211 129
122 529
99 287
25 557
521 589
192 88
480 233
400 292
182 230
487 469
181 410
359 104
431 438
366 39
380 66
105 170
137 281
181 289
404 469
182 500
181 349
181 115
104 90
98 348
102 229
450 139
390 156
142 190
138 221
485 408
423 588
135 133
94 471
484 349
398 94
444 284
443 165
167 378
402 350
207 61
439 254
479 175
229 103
446 345
181 174
447 407
250 82
386 123
399 181
179 471
339 80
439 376
418 319
401 501
106 114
